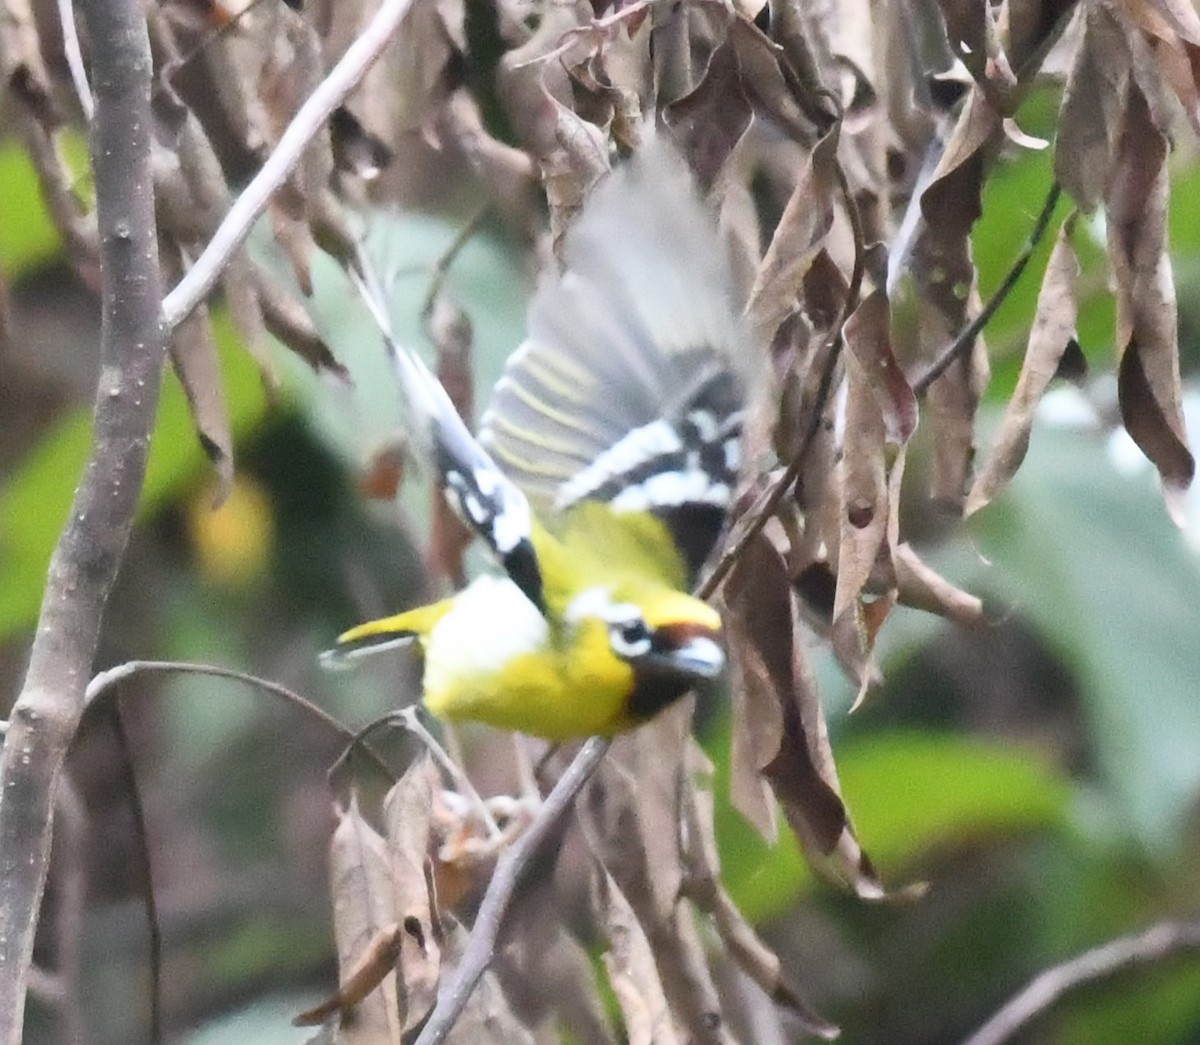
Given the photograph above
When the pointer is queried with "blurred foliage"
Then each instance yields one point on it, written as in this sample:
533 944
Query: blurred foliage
28 239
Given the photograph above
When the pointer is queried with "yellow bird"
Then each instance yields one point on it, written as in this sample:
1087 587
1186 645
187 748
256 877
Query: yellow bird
601 478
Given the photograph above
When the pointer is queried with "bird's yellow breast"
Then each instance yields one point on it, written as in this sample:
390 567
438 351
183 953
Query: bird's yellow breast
492 658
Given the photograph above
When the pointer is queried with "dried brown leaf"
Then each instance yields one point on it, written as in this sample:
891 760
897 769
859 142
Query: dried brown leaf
547 976
951 202
508 174
769 89
407 811
193 353
806 220
1148 380
789 737
631 812
864 518
711 120
574 168
631 817
433 35
923 588
1052 333
359 980
486 1018
869 339
1089 123
629 962
288 320
363 905
1173 29
951 403
703 885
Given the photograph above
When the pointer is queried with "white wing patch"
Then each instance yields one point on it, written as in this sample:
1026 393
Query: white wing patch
644 444
671 489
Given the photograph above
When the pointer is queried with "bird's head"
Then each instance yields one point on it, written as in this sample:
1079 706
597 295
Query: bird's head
670 640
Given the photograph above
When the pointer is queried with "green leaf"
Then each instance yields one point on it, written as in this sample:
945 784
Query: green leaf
1089 556
908 792
35 501
28 237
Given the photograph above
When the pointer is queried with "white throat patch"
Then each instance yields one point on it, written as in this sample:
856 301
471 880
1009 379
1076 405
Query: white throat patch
490 623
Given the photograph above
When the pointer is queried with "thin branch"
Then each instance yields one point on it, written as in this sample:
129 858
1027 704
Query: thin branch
105 680
453 997
92 544
961 345
1124 953
307 123
153 925
452 768
441 268
74 55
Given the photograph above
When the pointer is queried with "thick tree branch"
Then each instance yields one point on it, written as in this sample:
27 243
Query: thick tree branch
1126 952
89 552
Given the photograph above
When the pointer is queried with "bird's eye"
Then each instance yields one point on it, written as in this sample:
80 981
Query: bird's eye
630 638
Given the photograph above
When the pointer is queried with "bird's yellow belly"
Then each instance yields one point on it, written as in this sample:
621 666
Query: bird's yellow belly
550 696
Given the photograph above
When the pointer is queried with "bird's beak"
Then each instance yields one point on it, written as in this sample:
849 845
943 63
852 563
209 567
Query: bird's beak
686 650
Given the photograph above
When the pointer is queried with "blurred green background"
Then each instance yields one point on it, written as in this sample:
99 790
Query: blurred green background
1042 774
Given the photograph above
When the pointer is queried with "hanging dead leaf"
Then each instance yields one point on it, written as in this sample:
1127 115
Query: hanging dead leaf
1148 380
951 403
376 962
923 588
407 812
629 962
574 168
703 885
789 740
486 1018
1173 29
806 220
194 360
363 905
868 337
711 120
1052 333
1089 123
631 813
864 519
769 84
432 38
287 319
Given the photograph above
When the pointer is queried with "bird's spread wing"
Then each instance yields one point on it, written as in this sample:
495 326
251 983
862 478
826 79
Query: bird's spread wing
478 491
629 387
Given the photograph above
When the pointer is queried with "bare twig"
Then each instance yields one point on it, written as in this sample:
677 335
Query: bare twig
1126 952
453 997
962 344
83 91
111 676
70 887
441 268
89 551
153 924
308 122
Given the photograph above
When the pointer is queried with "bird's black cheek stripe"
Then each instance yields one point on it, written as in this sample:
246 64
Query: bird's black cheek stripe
654 690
